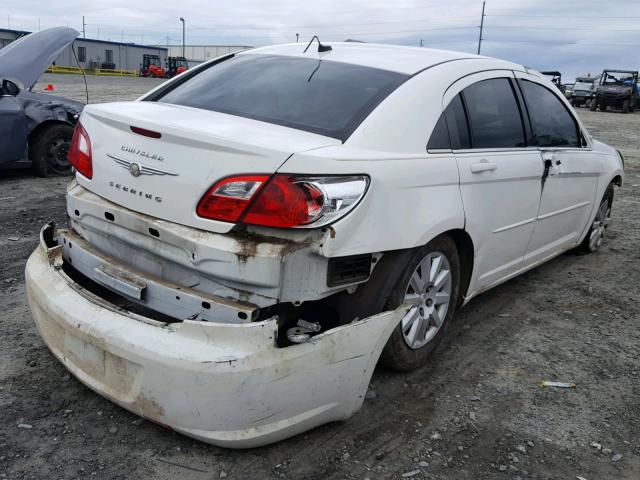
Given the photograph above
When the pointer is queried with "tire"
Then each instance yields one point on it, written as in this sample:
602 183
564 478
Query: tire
573 102
603 108
48 150
420 331
625 106
587 103
596 233
152 75
593 105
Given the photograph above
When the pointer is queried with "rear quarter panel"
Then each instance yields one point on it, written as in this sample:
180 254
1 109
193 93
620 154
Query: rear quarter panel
412 197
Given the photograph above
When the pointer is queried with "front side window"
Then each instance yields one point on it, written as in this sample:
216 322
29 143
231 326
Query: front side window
494 115
551 122
320 96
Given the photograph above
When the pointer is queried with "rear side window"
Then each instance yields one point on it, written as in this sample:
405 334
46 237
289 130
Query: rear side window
439 139
319 96
494 115
552 124
451 131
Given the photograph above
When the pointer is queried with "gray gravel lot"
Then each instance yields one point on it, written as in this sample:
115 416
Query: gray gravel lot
475 412
101 89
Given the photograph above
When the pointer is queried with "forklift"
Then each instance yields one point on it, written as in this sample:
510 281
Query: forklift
176 65
151 66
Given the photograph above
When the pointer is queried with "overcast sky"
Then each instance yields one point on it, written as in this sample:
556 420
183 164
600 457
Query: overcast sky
575 37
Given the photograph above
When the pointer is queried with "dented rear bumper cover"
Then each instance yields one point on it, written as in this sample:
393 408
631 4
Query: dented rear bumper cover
226 384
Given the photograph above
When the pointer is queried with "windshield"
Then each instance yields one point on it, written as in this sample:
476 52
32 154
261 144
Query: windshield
154 61
583 85
319 96
615 78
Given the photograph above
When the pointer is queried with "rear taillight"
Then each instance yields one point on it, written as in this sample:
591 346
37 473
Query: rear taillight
283 200
228 199
80 151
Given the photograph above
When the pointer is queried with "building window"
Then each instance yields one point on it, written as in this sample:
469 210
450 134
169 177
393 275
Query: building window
82 54
108 56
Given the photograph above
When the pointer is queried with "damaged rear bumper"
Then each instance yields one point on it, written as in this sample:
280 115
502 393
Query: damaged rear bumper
226 384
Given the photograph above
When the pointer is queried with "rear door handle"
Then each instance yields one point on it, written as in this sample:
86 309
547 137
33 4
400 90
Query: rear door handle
552 158
483 166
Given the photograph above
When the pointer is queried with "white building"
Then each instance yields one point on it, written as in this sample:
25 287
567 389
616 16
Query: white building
201 53
93 53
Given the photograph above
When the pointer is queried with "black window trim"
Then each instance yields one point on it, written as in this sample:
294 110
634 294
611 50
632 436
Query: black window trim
582 138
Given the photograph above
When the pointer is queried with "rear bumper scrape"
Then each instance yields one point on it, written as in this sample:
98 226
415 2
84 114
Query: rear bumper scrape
226 384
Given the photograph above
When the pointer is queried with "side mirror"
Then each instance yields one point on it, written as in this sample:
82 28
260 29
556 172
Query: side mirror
10 88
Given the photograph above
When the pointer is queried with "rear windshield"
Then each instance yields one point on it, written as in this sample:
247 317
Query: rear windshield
319 96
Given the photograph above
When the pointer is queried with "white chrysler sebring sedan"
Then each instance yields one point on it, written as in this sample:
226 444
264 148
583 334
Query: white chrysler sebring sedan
249 239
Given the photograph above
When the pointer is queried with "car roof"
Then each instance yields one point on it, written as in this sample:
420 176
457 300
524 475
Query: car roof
397 58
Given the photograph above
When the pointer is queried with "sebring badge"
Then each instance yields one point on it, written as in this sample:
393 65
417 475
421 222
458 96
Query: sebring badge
136 169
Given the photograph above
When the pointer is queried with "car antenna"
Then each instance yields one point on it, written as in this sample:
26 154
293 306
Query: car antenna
321 47
86 89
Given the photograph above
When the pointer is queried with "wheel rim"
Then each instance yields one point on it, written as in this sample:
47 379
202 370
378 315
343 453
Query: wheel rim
599 225
57 155
429 294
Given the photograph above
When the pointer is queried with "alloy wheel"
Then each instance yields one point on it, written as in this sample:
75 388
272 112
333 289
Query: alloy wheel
429 293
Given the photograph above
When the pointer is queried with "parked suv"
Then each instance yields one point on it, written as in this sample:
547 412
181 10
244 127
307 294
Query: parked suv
248 240
618 89
584 91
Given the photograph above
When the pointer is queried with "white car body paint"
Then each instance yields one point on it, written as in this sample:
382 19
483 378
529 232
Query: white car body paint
228 383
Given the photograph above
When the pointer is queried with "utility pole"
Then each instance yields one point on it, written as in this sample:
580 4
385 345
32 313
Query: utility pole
9 22
142 40
481 27
421 43
83 25
38 24
297 37
182 20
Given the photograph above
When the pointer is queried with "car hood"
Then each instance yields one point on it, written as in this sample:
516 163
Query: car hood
28 57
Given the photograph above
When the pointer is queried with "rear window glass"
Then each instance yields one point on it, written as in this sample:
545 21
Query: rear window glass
494 115
319 96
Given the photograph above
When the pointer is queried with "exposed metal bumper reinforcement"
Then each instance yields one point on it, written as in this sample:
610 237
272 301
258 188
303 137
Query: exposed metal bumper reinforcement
178 302
223 383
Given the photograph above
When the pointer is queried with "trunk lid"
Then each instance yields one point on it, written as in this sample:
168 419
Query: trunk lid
166 177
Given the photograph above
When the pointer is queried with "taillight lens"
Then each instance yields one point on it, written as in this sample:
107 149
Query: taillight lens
80 152
228 199
284 201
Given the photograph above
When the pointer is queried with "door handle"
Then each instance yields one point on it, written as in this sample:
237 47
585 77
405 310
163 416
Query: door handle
551 159
483 166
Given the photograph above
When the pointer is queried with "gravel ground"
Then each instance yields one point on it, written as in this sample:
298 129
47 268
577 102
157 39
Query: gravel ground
475 412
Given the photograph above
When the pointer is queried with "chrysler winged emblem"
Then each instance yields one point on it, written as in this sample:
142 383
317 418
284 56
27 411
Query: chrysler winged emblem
136 169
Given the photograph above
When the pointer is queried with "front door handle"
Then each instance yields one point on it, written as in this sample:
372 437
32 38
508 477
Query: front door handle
483 166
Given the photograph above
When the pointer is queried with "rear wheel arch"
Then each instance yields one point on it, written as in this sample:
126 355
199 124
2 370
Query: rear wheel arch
466 250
